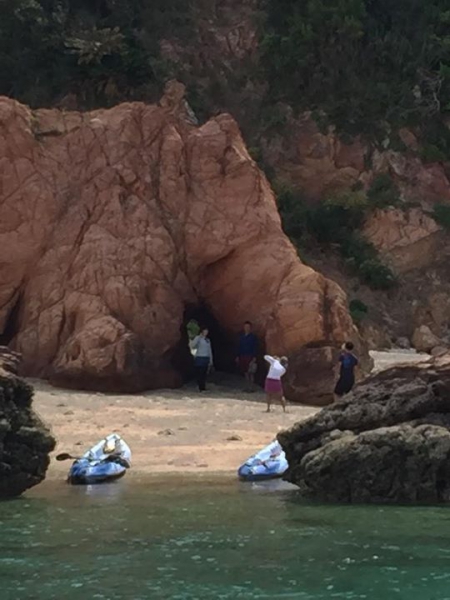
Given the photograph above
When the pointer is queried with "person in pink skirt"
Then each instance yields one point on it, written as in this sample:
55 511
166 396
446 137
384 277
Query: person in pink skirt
273 386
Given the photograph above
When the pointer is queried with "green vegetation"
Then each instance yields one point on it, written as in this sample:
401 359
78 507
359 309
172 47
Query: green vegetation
335 224
383 192
365 63
430 153
367 66
101 50
441 214
358 311
193 329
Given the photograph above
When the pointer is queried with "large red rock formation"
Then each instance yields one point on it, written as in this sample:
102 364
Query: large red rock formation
113 221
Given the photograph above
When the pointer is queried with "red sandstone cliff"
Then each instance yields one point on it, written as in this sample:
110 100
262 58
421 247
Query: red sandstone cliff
320 164
113 221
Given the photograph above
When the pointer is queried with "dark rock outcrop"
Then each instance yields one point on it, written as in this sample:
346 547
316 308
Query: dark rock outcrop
25 442
389 442
10 360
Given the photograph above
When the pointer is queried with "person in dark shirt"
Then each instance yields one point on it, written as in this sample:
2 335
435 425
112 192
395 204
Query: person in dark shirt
246 355
346 379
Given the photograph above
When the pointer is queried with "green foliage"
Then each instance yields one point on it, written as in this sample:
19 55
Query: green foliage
256 154
362 62
362 257
334 224
441 214
358 310
330 223
430 153
92 46
193 329
101 50
293 212
383 192
374 273
273 117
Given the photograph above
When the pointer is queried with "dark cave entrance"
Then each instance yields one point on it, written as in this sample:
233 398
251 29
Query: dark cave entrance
12 323
223 343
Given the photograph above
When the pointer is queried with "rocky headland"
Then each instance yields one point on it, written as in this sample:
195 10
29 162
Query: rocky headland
388 442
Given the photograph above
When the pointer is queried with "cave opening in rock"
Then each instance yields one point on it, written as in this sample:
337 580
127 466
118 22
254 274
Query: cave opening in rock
223 342
12 323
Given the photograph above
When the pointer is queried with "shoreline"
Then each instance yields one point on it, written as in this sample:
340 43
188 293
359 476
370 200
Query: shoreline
174 431
168 431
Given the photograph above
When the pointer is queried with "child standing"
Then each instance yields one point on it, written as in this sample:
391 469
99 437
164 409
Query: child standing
273 386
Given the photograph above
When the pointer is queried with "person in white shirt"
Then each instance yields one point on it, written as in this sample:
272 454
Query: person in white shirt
203 360
273 386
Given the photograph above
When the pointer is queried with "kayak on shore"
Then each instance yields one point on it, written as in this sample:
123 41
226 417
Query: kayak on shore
106 461
268 463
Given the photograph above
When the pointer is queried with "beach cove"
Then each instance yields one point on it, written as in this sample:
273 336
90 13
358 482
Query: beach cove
172 431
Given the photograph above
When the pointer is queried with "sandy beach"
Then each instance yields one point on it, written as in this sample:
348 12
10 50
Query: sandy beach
173 430
167 430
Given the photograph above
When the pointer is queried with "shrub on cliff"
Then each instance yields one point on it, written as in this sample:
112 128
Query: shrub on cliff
335 224
383 192
358 310
441 214
363 258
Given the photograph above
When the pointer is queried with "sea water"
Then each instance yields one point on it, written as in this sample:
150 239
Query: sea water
215 538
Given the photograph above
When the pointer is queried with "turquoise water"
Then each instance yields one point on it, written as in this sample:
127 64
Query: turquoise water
219 539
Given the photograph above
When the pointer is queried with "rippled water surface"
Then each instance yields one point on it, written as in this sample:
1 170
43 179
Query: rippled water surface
218 539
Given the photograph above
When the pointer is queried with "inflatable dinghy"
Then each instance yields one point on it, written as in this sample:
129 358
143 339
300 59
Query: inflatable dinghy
268 463
106 461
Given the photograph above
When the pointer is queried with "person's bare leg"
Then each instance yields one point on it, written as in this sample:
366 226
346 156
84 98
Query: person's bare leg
280 399
269 401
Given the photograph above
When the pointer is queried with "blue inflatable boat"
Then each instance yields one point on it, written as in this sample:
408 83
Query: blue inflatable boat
106 461
268 463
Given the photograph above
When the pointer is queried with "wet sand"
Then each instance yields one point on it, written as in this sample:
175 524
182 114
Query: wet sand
173 430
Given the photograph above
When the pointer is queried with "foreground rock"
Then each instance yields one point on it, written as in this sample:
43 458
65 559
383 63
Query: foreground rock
390 442
424 339
121 221
9 360
25 442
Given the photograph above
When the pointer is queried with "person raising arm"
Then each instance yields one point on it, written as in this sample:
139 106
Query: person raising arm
273 386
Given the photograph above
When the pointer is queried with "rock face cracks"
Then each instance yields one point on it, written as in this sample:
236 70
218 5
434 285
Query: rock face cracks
390 442
112 222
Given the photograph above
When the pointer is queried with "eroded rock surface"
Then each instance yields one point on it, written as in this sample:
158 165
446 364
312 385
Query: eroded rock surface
25 442
320 162
424 339
121 218
390 442
408 239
